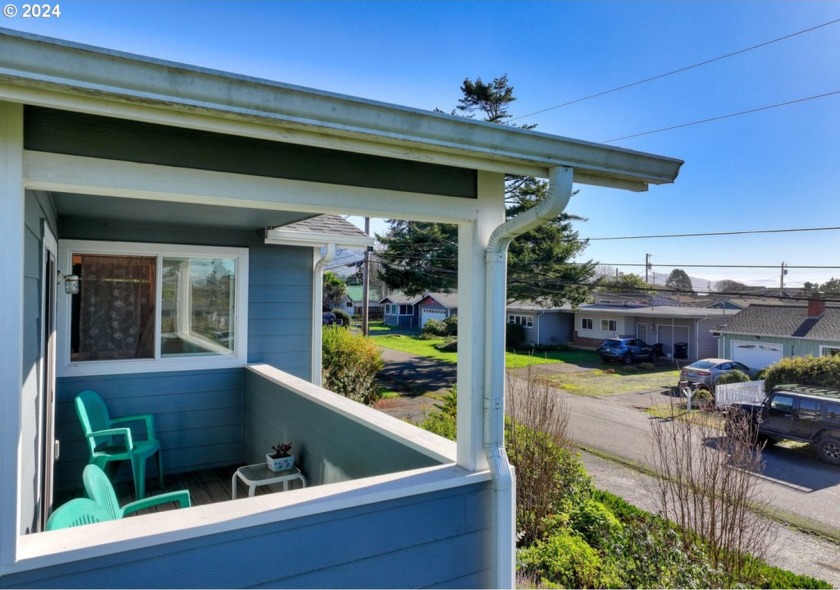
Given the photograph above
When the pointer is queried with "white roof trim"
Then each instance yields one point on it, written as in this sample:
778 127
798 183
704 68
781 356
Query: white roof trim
315 240
47 71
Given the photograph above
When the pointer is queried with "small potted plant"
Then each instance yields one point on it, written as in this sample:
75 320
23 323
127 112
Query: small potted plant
280 459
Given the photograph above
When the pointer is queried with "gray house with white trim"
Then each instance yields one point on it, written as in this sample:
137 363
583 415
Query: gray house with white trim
153 186
760 335
668 325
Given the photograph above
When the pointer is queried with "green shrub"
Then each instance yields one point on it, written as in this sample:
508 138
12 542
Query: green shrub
450 345
434 328
564 561
450 326
350 364
595 523
342 318
703 395
773 577
647 367
550 479
441 328
630 369
443 420
823 371
514 335
734 376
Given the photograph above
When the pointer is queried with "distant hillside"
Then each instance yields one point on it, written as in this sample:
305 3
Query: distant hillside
699 284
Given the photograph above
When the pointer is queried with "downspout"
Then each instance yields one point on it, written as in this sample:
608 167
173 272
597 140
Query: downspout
504 485
317 305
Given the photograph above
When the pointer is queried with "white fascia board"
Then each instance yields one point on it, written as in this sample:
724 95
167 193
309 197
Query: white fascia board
40 64
316 240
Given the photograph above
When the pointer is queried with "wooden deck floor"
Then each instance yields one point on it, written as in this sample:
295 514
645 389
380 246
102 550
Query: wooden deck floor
206 487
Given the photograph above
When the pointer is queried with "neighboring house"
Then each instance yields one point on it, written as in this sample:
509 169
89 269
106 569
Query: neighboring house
400 310
153 184
354 300
544 326
760 335
437 306
684 332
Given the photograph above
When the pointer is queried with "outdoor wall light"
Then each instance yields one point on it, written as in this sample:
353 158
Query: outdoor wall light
71 283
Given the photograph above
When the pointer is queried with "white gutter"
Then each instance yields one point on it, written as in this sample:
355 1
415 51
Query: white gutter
504 484
317 304
42 71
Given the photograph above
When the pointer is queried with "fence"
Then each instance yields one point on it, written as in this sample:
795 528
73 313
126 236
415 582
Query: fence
733 393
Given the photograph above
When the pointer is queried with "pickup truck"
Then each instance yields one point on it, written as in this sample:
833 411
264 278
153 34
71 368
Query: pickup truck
794 412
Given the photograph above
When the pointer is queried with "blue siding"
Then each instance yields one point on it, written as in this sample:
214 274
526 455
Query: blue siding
437 539
198 417
280 308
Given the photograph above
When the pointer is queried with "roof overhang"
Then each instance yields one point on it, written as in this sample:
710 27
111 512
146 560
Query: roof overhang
60 74
315 240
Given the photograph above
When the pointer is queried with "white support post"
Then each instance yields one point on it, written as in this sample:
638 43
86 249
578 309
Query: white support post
11 323
472 304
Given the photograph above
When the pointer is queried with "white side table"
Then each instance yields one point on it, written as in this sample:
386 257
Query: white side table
257 475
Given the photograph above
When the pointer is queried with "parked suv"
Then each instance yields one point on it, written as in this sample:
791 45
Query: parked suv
806 414
628 349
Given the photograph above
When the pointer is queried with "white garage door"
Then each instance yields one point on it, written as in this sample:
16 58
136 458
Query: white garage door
756 354
431 314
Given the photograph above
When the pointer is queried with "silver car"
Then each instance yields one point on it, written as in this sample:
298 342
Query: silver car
706 372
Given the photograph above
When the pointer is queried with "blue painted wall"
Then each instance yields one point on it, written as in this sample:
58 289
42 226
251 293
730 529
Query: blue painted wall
436 539
198 418
327 446
199 413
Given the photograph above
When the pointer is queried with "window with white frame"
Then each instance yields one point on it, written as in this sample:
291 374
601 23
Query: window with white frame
526 321
143 307
829 350
609 325
586 324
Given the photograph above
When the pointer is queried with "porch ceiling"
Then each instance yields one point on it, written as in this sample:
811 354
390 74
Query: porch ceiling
121 210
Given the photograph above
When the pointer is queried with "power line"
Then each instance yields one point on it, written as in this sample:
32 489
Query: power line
677 71
721 233
729 116
413 245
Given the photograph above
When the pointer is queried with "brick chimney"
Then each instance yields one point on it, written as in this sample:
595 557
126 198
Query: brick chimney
816 307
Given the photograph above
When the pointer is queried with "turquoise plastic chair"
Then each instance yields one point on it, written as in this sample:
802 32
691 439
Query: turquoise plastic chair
99 489
110 443
78 512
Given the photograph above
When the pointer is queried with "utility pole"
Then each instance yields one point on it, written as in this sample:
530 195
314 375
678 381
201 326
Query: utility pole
647 267
782 279
366 282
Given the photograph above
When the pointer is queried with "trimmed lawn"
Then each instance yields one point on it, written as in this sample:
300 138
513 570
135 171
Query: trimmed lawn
612 381
416 346
421 347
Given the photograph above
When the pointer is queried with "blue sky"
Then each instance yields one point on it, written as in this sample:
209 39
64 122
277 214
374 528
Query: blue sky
773 169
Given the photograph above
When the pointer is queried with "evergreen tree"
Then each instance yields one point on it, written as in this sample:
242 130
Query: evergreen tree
421 257
334 290
678 280
623 283
831 287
